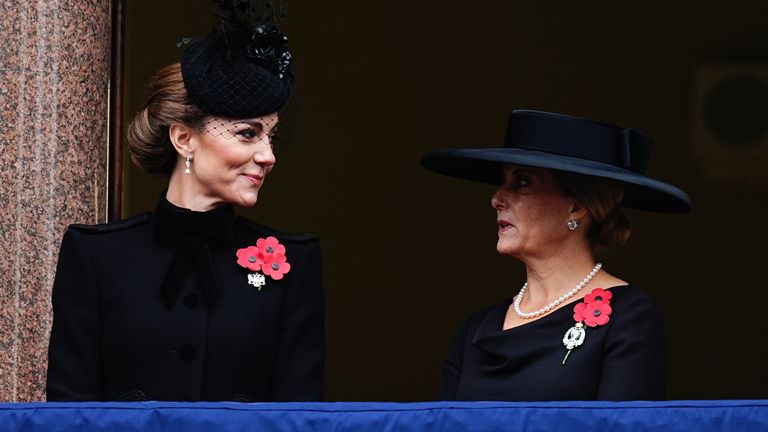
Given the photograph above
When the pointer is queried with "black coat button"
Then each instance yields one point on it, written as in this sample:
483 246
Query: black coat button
186 352
192 301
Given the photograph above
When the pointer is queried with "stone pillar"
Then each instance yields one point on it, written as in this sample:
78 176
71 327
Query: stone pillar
54 88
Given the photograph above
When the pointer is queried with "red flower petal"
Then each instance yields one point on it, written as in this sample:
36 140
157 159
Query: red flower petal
249 258
274 270
577 312
599 294
262 243
601 320
596 314
269 245
275 266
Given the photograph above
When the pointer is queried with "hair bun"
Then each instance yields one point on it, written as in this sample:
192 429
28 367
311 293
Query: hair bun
614 230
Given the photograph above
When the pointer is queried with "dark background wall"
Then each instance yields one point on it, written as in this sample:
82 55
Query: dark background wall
410 254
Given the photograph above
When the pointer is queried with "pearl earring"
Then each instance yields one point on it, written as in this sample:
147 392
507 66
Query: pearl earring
573 224
187 164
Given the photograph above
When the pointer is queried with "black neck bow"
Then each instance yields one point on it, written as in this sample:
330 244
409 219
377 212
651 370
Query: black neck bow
191 232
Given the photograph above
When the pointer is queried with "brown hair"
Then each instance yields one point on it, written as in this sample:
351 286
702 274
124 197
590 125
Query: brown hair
602 197
165 102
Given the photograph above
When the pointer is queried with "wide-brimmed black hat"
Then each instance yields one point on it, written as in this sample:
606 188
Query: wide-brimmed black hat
566 143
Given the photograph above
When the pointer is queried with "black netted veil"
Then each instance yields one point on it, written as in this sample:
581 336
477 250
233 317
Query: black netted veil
224 83
243 69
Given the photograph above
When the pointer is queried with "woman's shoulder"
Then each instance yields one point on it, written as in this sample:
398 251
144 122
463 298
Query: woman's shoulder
265 231
633 306
630 294
494 313
120 225
122 236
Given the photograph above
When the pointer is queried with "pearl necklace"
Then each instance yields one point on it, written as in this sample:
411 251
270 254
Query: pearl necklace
549 307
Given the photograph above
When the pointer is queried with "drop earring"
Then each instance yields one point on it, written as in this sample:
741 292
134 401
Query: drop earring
187 164
573 224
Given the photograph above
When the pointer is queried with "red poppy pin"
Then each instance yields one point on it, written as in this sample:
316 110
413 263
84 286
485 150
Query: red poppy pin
266 258
594 310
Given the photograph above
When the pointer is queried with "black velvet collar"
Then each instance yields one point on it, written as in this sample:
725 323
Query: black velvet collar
191 233
174 223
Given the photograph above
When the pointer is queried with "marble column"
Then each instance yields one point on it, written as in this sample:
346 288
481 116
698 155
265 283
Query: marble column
54 87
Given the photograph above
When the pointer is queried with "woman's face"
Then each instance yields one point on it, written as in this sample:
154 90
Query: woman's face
232 158
531 213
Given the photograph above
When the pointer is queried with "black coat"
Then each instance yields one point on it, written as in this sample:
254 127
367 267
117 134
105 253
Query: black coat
624 359
117 336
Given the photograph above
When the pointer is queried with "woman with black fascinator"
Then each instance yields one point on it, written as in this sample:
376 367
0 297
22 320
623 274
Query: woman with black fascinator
573 331
190 302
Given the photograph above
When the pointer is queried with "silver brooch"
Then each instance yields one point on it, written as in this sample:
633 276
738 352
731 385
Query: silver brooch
573 338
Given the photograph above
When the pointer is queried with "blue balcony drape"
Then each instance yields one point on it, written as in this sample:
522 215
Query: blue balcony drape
684 416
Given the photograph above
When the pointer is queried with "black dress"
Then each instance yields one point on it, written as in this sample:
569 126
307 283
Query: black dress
156 308
624 359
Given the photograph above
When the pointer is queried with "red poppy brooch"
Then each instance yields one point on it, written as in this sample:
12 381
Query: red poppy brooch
593 311
267 258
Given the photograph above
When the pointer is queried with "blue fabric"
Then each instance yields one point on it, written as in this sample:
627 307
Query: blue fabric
684 416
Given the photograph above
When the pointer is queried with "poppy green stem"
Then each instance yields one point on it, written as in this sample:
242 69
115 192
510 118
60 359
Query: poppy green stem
566 357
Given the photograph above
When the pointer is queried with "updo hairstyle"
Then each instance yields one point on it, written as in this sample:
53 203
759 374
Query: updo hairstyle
165 102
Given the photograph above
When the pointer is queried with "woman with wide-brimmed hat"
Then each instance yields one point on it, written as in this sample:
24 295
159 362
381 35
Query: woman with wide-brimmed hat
573 331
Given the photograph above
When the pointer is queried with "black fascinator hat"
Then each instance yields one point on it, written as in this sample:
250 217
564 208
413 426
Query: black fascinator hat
572 144
242 69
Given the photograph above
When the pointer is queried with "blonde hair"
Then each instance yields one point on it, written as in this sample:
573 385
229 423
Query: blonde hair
165 102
